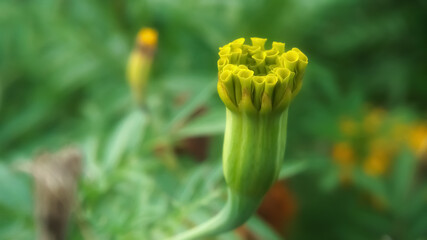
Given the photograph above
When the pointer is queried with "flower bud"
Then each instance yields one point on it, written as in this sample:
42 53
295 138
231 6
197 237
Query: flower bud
256 86
140 62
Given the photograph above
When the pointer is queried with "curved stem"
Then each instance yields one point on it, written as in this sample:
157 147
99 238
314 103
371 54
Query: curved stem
254 146
236 211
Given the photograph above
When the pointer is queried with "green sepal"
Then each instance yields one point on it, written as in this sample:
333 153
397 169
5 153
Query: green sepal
253 151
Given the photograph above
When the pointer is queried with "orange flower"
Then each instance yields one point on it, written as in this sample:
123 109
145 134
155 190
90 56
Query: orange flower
377 162
343 154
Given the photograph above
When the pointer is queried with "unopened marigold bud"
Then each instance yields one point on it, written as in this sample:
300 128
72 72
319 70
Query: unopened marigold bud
256 86
147 37
140 62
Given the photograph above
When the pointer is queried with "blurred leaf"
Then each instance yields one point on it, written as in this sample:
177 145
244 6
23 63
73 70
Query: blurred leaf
292 168
211 123
370 184
15 194
192 184
261 229
419 226
402 178
330 180
125 137
195 102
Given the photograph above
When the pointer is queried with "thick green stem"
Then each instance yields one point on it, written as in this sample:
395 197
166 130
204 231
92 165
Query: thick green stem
254 147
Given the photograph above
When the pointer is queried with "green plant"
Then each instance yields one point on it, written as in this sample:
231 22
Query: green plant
256 86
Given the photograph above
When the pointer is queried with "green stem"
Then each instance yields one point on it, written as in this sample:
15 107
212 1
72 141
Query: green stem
236 211
254 146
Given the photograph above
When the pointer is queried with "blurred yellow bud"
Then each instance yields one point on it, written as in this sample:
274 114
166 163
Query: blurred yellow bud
140 62
147 37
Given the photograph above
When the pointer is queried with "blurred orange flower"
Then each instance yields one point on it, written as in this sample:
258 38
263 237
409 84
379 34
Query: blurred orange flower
343 153
377 162
376 141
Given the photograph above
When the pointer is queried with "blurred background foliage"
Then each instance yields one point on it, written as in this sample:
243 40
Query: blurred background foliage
356 160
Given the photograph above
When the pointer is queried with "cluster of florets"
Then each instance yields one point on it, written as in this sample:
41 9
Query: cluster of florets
254 80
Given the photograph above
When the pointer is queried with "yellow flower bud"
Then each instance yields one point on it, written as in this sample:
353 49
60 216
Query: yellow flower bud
252 68
140 62
256 86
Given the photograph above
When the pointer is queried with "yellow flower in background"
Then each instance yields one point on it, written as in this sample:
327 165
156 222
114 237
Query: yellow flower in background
140 62
380 136
418 137
399 133
379 142
377 162
378 159
373 120
343 154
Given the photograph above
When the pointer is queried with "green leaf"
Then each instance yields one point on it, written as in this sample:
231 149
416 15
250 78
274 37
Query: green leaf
373 185
126 136
195 102
292 168
15 194
402 177
212 123
261 229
